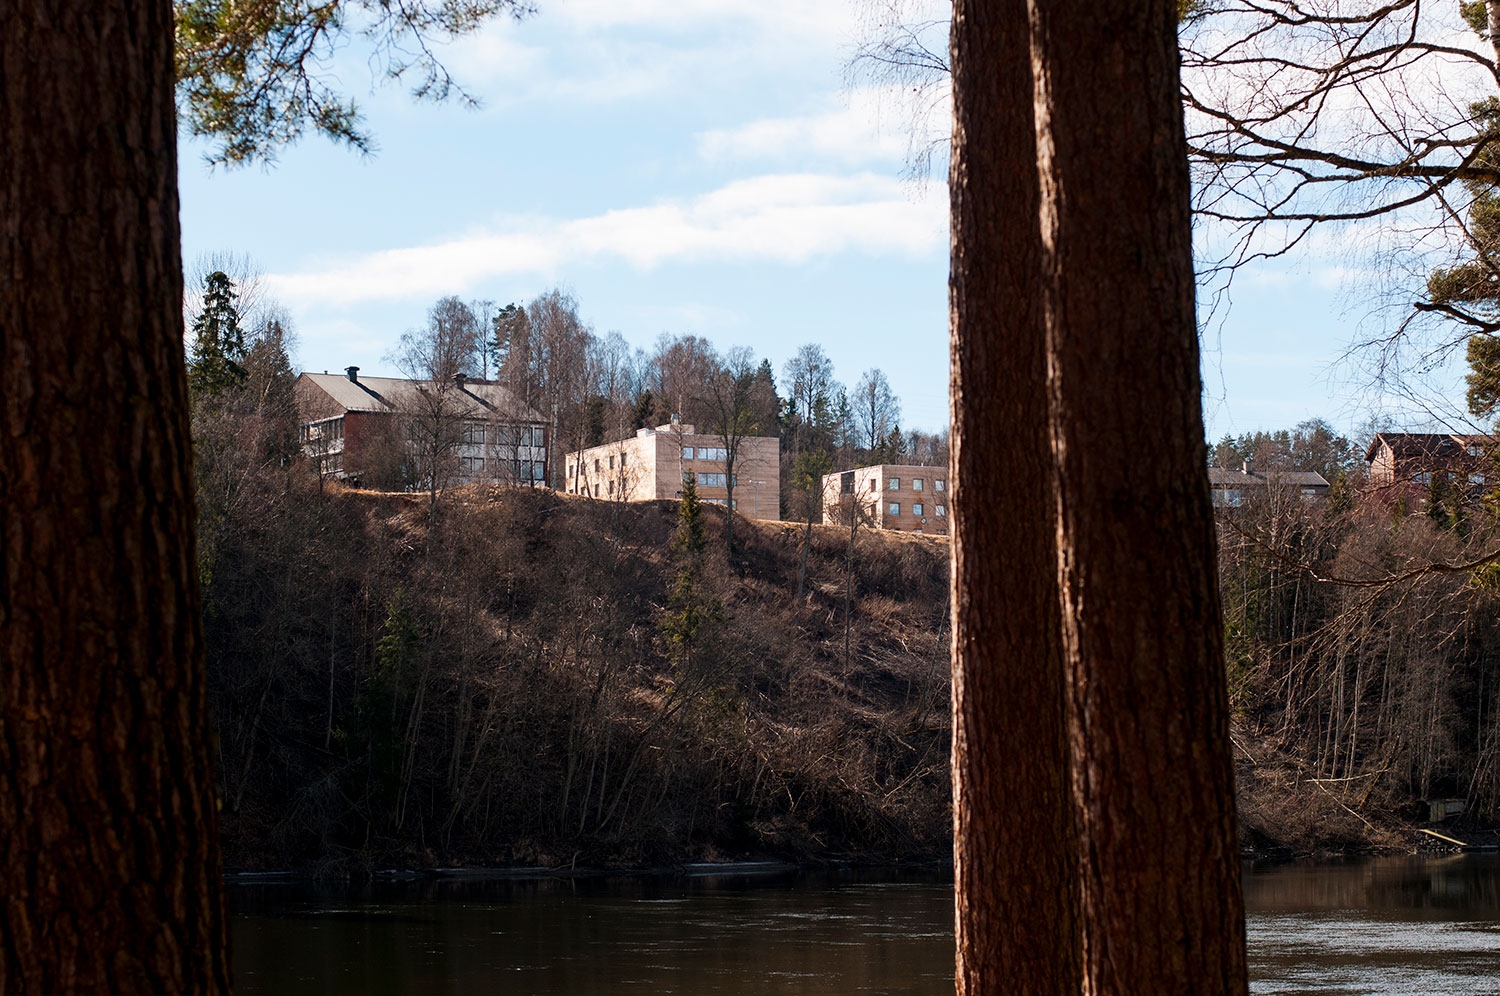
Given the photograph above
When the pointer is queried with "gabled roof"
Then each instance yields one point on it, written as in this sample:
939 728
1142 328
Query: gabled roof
1218 477
1425 445
385 394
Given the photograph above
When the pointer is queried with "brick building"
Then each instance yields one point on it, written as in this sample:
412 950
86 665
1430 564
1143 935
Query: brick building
351 423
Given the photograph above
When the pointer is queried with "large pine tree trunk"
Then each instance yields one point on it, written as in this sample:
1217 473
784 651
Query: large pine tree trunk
1013 838
109 869
1152 777
1151 880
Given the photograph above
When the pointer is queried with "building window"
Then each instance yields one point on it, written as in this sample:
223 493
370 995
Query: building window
622 460
916 485
711 480
687 453
473 432
939 484
1476 480
570 470
611 463
895 508
596 466
611 487
916 509
596 491
893 484
940 511
688 477
873 483
1424 478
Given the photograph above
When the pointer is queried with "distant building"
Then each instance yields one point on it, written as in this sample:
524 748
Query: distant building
350 423
653 463
1397 457
1231 488
898 496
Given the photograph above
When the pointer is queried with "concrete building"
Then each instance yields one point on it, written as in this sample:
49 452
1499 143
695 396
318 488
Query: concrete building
652 464
353 427
899 496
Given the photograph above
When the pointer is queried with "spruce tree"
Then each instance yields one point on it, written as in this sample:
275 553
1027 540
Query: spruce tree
218 340
690 607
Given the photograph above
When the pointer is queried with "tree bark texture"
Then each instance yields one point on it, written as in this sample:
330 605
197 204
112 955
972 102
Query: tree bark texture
109 867
1014 846
1152 876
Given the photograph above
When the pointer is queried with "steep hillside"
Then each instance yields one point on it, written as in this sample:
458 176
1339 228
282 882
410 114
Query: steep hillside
542 680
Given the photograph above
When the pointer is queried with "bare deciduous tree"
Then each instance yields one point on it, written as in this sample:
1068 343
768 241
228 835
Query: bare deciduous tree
680 366
877 411
435 408
732 399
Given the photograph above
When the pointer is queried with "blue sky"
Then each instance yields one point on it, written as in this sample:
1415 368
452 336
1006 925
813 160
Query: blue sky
681 166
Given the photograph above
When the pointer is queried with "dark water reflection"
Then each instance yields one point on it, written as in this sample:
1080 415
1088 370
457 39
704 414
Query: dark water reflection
729 935
1373 928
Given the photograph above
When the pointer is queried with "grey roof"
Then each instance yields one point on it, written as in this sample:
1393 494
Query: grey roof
383 394
1218 477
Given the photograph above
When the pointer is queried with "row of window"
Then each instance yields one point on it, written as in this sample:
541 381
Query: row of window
917 484
515 470
1223 498
688 453
503 435
708 480
705 453
575 469
918 509
1476 479
328 429
593 492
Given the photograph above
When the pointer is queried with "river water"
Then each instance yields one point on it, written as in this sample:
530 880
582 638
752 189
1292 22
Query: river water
1389 926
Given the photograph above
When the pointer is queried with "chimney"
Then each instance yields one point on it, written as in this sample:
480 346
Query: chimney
676 419
353 373
459 379
1247 467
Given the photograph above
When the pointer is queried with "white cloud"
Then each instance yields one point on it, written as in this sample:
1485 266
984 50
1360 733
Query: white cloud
609 51
788 19
779 218
869 128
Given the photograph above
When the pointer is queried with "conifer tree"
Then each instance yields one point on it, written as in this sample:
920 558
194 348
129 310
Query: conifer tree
689 607
218 340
